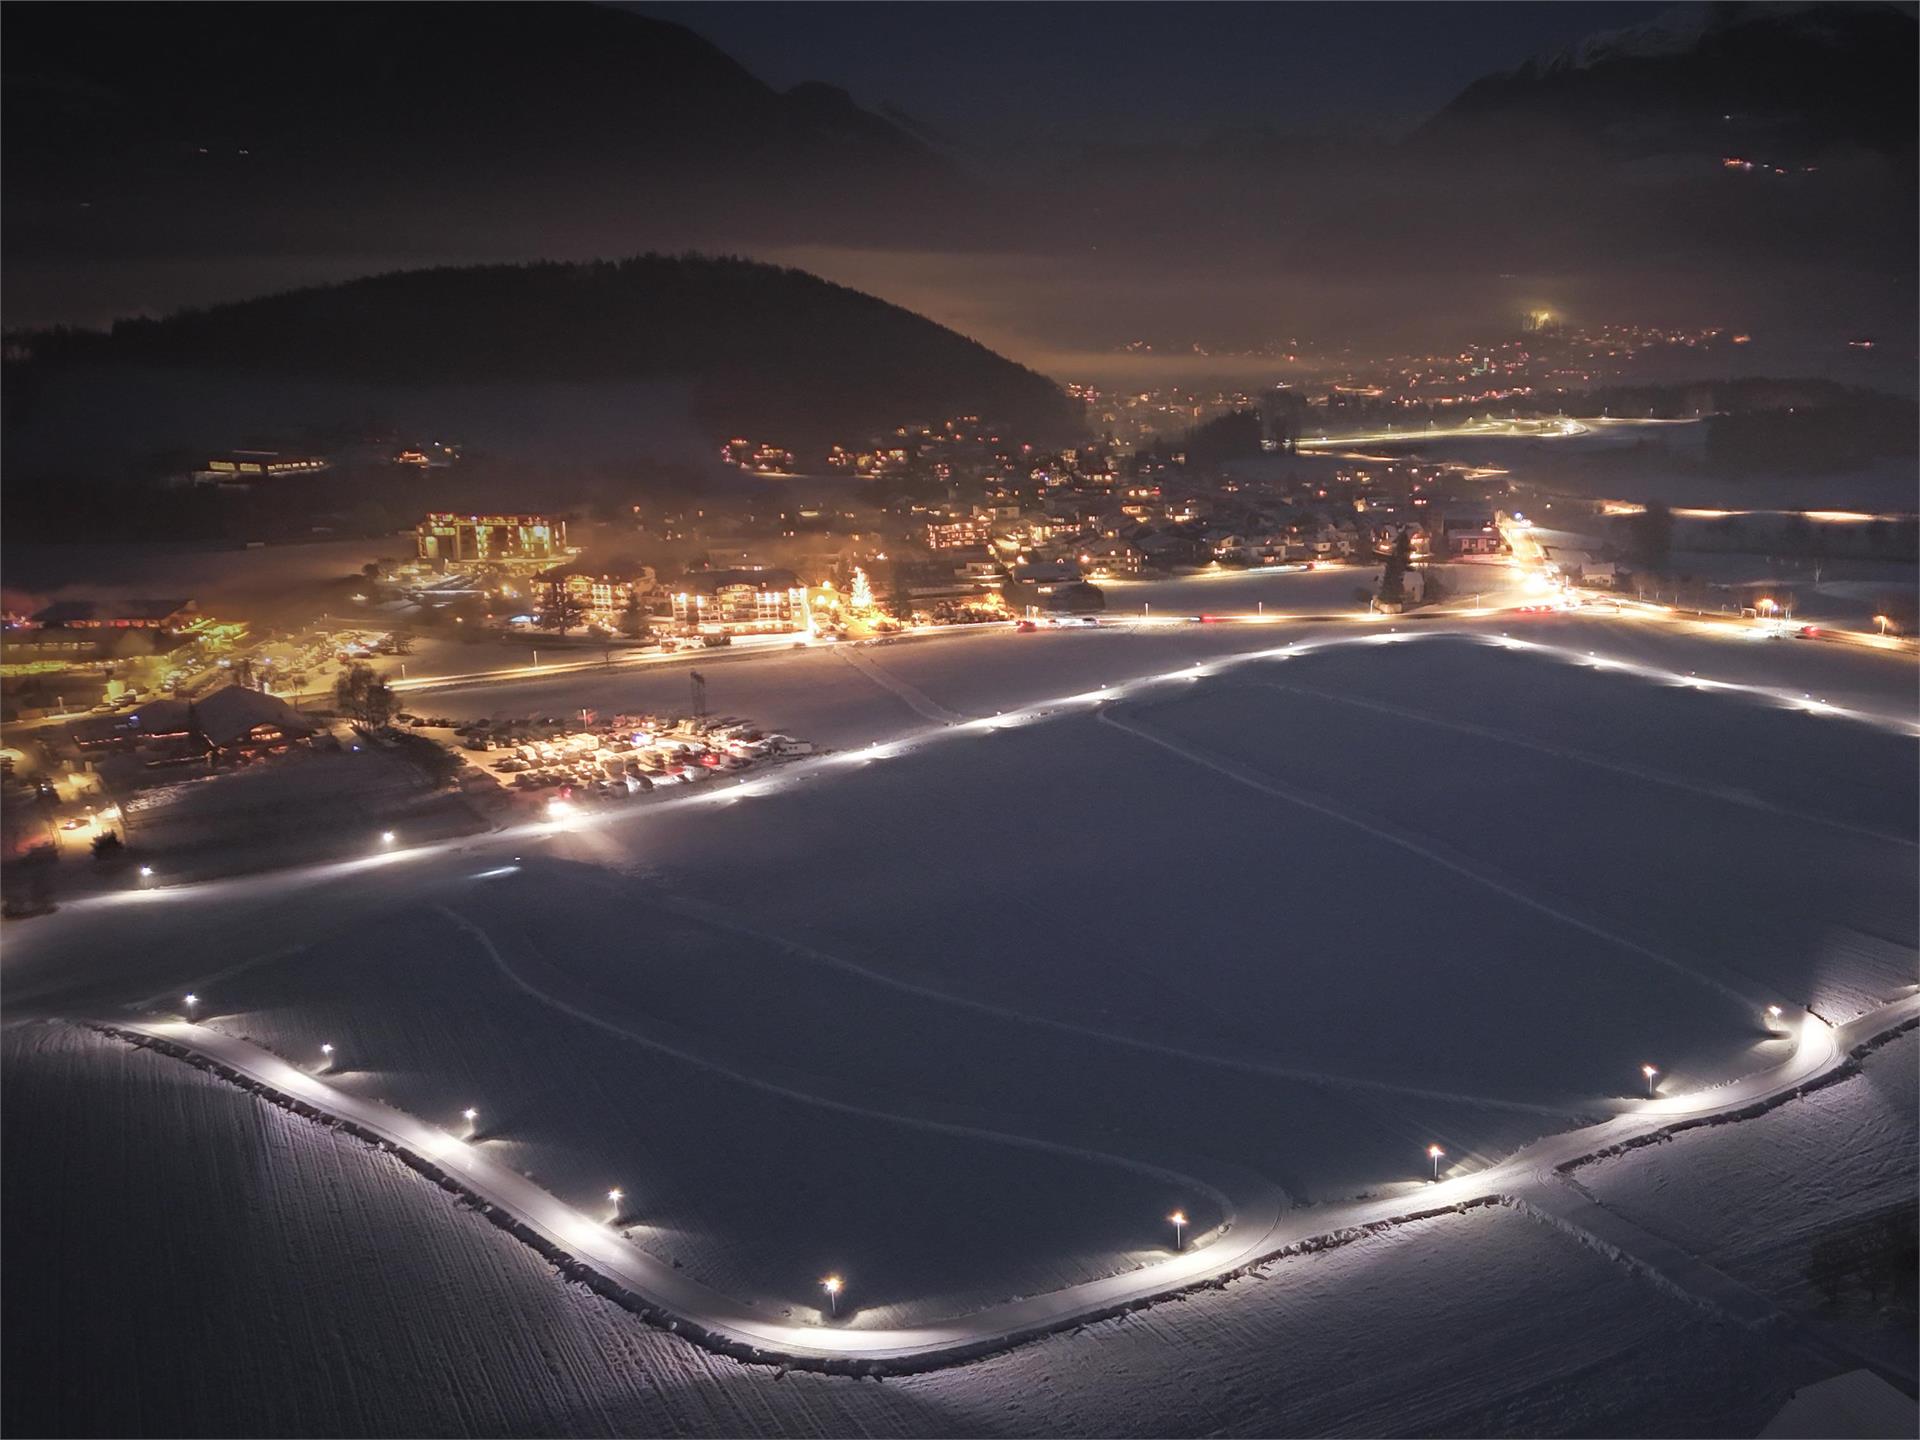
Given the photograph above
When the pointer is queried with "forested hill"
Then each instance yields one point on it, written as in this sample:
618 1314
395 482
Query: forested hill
768 352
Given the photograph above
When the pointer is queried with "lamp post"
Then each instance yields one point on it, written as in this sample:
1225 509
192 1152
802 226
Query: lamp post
1179 1219
326 1057
614 1197
386 837
1882 621
833 1285
191 1001
1434 1152
1774 1017
472 1117
1649 1071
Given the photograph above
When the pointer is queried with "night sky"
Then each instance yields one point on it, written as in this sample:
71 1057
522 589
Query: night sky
1072 73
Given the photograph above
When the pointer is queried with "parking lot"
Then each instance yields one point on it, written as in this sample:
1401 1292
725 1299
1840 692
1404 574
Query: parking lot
627 756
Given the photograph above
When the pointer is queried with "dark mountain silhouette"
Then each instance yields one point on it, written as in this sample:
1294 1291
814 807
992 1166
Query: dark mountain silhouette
767 352
142 128
1783 83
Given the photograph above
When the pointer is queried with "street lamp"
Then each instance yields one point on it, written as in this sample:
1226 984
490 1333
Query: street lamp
1774 1015
146 872
833 1285
1179 1219
1434 1152
471 1116
614 1197
386 837
1882 621
1649 1071
326 1057
190 1000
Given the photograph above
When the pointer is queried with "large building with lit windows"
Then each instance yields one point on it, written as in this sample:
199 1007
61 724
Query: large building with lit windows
740 601
446 538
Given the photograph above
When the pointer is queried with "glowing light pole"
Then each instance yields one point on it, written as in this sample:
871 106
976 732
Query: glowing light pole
1179 1219
472 1117
386 837
190 1001
614 1197
326 1057
1649 1071
1775 1015
833 1284
1434 1153
1882 621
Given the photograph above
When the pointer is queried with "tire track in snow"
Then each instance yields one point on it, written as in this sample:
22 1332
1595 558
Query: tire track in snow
1228 1211
914 698
1433 853
1599 762
709 915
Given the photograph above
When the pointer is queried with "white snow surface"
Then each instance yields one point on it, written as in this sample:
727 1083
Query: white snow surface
1076 934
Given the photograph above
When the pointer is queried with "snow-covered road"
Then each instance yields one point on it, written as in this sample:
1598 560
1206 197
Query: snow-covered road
672 1299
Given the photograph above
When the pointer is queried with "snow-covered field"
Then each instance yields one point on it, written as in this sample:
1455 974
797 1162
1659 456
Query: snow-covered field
965 1016
288 1280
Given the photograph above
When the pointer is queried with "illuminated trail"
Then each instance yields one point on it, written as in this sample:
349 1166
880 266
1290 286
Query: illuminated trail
1429 851
1228 1212
653 1287
1599 762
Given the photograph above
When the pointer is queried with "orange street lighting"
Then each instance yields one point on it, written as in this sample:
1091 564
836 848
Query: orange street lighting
1434 1152
833 1284
1649 1071
1179 1219
1882 621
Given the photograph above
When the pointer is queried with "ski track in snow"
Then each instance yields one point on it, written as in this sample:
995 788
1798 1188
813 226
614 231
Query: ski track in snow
1598 762
915 699
1228 1211
1429 851
705 914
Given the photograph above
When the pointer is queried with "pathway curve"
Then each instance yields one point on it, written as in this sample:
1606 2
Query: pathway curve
669 1297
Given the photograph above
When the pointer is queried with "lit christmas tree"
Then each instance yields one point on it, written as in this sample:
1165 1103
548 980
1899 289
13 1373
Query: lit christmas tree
862 591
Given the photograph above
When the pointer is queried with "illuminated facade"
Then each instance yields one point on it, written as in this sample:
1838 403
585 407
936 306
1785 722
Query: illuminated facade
603 598
490 539
740 601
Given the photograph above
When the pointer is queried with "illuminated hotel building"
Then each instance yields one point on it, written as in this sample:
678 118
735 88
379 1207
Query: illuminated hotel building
490 539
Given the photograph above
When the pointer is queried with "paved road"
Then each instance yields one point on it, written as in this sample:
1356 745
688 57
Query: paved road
719 1320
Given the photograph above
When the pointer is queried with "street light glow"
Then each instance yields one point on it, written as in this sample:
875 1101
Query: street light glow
1649 1071
386 837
